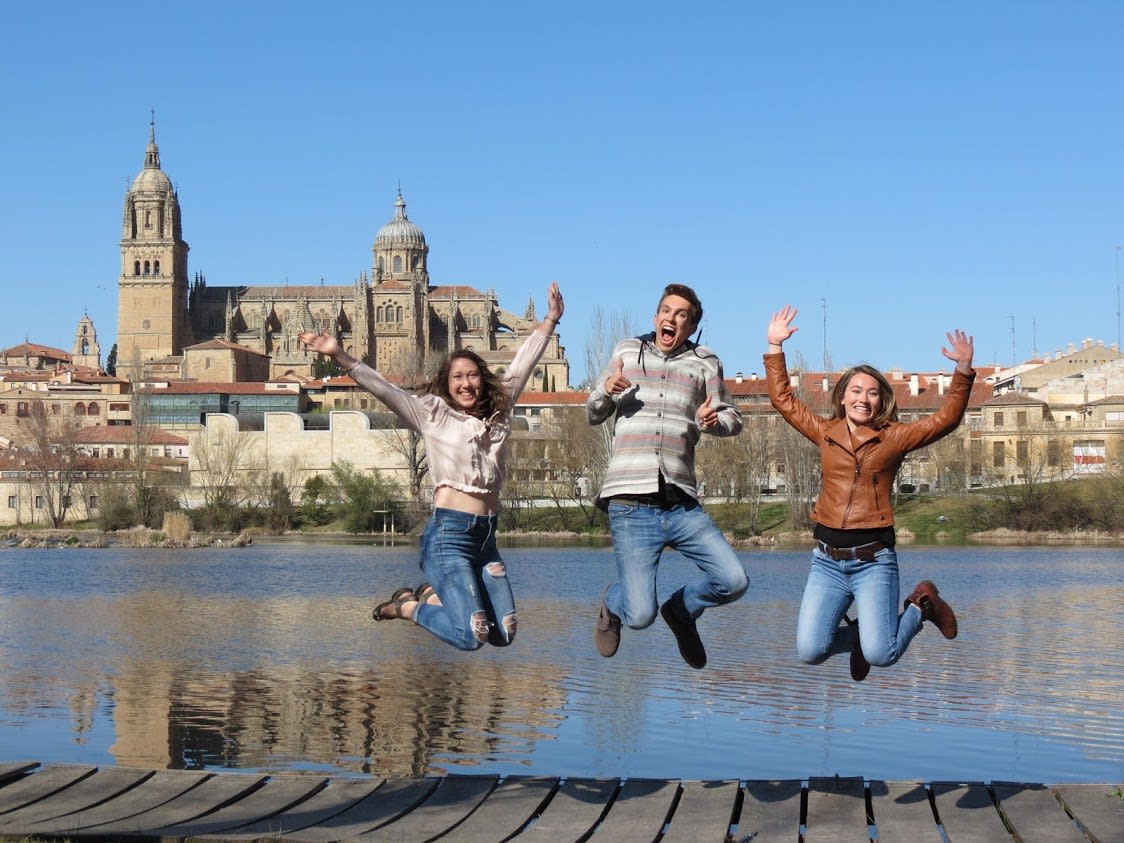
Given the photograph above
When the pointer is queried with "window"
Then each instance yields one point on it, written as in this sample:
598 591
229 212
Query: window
1020 418
998 454
999 419
3 409
93 502
156 267
79 409
1053 453
11 501
136 267
1022 452
94 409
38 501
398 313
397 263
21 409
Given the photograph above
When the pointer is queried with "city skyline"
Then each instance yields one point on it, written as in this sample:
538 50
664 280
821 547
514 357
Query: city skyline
892 172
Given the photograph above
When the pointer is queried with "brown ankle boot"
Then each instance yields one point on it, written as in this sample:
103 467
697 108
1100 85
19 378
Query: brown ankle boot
933 608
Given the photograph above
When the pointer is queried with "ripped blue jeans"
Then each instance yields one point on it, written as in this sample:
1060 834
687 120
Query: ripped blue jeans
461 562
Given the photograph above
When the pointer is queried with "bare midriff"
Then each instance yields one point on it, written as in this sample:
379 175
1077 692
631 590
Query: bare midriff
485 503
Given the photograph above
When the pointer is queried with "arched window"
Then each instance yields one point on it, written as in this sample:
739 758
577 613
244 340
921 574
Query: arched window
378 263
397 263
136 267
147 268
147 222
94 409
79 409
156 267
399 314
378 314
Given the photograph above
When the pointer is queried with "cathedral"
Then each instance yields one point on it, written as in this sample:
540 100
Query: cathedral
393 317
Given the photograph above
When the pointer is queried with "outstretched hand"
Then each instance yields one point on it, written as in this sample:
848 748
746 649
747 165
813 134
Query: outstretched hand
707 415
554 304
324 344
962 348
780 325
617 383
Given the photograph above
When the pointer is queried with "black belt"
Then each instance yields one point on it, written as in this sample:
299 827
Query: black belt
652 501
864 552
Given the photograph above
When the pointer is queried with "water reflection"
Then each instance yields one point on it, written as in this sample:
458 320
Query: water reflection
265 658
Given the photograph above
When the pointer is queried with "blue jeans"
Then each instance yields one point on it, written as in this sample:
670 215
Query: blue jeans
461 562
873 587
640 533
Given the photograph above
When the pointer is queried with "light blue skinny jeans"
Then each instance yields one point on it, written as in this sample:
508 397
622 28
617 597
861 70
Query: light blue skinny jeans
832 587
640 533
461 562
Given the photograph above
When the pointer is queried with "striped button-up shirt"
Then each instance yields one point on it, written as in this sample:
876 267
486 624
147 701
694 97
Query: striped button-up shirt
656 427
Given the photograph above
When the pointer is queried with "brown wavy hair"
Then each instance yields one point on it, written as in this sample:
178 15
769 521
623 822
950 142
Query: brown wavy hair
888 407
493 396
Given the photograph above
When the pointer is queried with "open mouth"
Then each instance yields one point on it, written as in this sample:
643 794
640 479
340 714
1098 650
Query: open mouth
667 334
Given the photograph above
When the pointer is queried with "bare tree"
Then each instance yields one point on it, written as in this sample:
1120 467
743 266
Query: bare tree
53 461
228 468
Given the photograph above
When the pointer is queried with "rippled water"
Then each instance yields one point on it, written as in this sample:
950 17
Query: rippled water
265 658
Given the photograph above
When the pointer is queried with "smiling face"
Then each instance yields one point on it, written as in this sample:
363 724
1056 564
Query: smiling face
674 323
862 399
465 384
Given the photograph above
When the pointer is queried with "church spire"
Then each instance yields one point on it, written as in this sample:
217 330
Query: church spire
152 152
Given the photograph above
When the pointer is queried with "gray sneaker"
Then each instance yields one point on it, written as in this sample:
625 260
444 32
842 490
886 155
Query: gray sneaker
607 631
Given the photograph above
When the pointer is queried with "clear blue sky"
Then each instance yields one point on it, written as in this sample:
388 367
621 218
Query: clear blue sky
900 168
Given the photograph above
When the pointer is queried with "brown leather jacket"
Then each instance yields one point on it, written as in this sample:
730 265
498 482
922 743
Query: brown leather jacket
858 469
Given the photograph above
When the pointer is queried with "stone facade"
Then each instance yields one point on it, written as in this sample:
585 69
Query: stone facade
392 316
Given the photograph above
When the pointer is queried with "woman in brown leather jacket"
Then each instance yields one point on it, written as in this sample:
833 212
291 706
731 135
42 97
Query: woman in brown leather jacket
862 447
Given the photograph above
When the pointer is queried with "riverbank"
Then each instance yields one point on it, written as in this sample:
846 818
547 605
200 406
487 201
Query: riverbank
142 537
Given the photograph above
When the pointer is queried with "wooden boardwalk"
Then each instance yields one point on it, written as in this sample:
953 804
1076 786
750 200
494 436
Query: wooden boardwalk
121 803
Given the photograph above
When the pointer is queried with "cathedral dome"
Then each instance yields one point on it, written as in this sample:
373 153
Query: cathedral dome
400 232
152 179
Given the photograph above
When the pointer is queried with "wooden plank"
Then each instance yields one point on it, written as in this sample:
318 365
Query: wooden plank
391 800
39 785
337 797
704 812
1097 807
1035 814
968 814
576 807
64 807
510 807
902 813
161 787
454 799
277 794
14 770
770 811
639 811
209 795
836 810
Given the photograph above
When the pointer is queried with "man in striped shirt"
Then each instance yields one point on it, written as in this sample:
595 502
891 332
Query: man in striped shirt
663 391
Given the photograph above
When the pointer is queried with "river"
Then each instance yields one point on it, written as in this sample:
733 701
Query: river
265 658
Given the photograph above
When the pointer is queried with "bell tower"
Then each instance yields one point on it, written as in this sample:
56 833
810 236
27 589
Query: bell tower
86 352
152 317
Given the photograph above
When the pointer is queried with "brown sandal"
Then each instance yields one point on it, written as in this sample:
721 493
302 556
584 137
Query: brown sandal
425 591
402 595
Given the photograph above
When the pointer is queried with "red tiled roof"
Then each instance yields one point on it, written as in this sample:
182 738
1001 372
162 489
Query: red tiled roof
124 435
